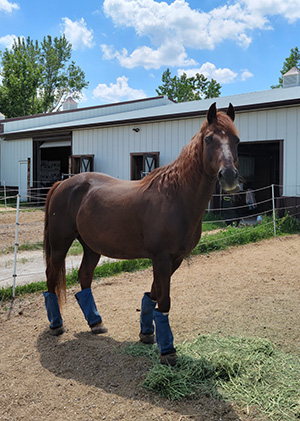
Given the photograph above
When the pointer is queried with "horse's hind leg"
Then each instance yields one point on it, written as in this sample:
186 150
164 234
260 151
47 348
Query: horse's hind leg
85 297
55 272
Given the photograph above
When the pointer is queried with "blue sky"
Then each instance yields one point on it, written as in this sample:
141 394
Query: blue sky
123 46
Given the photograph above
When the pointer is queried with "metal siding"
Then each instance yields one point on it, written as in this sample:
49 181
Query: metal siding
271 132
12 152
252 126
262 124
112 145
290 156
281 123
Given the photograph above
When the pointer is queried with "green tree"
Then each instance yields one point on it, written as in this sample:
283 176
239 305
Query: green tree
38 78
183 88
21 75
291 61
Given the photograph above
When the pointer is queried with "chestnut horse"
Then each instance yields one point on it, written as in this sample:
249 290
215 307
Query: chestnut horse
158 217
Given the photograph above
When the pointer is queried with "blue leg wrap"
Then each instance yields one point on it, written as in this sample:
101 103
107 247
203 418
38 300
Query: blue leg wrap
87 304
164 336
53 311
146 318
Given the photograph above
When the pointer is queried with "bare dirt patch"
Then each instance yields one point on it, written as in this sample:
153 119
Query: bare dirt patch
30 227
250 291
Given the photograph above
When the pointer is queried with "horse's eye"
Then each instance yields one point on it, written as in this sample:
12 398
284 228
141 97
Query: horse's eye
208 139
237 140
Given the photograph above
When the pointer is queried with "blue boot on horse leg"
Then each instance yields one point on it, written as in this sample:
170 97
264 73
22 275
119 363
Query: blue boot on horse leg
164 338
146 320
87 304
53 313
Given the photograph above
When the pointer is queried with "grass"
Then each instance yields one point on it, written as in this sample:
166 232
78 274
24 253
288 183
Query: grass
248 371
231 236
212 221
74 250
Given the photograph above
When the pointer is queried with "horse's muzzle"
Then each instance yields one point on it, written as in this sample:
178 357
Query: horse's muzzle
229 179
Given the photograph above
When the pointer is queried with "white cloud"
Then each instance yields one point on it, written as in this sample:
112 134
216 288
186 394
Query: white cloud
168 54
7 41
221 75
177 21
173 27
289 9
246 75
7 6
78 34
119 91
210 71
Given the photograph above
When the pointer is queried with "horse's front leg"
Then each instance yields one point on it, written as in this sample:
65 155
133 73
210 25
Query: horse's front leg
160 293
85 297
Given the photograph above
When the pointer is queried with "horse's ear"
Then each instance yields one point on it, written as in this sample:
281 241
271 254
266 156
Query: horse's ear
231 112
212 113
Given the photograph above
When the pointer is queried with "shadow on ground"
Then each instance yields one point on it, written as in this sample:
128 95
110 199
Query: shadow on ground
98 361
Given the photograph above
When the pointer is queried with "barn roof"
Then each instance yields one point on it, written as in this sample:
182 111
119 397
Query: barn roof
150 109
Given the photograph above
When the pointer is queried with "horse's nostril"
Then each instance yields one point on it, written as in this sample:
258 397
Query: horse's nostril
228 175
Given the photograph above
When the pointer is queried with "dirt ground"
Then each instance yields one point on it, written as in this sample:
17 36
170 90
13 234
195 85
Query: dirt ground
251 290
30 227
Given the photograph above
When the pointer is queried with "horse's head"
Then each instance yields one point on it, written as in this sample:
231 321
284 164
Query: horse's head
220 141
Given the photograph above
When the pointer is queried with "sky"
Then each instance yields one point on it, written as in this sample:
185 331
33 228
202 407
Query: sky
124 46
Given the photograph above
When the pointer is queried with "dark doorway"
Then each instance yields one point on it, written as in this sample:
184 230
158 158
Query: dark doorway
51 159
260 166
54 163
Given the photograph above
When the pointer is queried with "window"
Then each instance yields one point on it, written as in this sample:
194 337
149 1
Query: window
82 163
143 163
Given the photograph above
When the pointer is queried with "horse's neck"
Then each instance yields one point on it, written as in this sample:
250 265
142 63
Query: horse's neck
195 185
197 196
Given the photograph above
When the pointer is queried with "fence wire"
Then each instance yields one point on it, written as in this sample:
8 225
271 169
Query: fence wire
8 229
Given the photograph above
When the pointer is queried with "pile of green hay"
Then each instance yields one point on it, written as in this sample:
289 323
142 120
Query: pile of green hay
249 372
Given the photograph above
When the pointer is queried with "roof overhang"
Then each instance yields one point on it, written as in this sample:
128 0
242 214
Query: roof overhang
140 116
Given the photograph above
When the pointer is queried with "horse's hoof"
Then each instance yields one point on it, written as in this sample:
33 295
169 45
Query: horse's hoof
147 339
57 331
169 359
99 328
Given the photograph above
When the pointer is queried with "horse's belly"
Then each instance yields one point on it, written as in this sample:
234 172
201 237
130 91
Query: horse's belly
114 237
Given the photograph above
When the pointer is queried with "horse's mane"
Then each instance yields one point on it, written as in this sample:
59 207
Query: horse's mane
188 165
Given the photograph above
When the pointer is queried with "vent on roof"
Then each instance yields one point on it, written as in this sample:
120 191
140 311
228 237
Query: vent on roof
69 104
291 78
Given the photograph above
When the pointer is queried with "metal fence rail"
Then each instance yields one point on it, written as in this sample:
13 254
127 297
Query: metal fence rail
7 196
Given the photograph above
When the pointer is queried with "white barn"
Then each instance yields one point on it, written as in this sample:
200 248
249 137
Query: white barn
127 140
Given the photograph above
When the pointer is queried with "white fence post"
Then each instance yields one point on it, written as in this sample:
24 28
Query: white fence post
5 195
273 206
16 246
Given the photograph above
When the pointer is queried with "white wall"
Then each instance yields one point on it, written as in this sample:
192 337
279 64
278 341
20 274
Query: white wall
13 151
112 146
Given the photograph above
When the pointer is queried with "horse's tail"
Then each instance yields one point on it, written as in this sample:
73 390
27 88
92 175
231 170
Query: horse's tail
60 287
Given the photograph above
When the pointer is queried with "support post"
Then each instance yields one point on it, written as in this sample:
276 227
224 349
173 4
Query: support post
16 246
273 206
5 201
